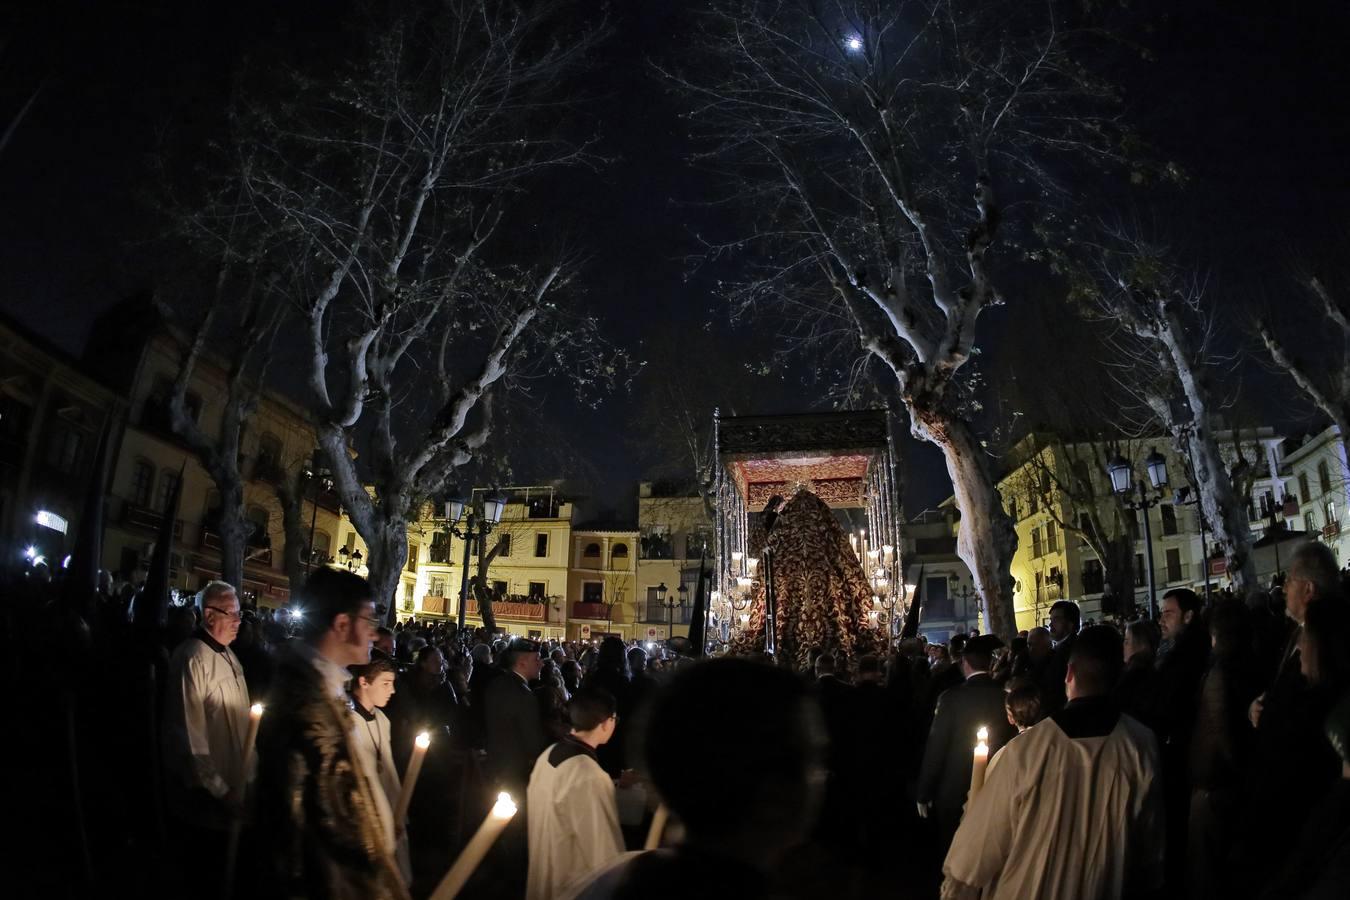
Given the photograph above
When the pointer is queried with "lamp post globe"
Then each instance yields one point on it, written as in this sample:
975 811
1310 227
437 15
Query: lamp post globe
1119 470
1157 468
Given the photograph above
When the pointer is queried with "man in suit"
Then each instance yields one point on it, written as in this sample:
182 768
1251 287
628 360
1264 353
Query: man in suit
515 728
944 776
1065 620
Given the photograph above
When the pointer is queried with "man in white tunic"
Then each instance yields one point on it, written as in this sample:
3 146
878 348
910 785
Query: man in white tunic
206 716
1074 807
371 687
574 818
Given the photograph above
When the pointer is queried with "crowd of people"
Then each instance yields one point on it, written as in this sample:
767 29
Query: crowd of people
1204 754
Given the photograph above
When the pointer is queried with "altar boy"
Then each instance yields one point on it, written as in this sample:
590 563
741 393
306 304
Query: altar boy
573 817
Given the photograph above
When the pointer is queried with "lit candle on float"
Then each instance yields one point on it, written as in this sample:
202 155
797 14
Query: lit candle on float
736 557
979 763
752 565
419 753
888 553
503 811
853 542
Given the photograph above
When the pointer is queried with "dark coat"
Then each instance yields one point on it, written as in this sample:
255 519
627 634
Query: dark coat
1137 691
1052 676
944 776
515 732
316 811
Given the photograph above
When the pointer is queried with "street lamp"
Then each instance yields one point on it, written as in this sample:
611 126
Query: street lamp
670 605
319 478
478 523
959 590
351 559
1121 477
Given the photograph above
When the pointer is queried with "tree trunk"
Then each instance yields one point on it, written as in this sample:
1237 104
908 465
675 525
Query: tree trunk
388 553
1223 510
290 497
478 585
987 538
234 530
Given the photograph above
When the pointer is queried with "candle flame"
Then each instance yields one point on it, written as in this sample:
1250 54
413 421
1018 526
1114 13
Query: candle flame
423 740
505 807
982 748
982 735
256 710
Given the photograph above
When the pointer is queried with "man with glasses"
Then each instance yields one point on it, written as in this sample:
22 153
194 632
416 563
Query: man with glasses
206 724
317 811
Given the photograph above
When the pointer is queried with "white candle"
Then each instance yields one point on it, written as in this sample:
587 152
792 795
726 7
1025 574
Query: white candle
236 823
474 851
887 552
751 565
420 745
979 763
853 542
658 828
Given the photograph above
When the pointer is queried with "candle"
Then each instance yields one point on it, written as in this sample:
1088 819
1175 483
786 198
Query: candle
751 565
232 843
853 542
420 745
887 552
658 828
980 762
497 819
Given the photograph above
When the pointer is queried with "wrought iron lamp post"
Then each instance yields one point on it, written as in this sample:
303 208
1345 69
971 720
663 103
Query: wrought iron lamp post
320 480
1122 482
670 605
479 520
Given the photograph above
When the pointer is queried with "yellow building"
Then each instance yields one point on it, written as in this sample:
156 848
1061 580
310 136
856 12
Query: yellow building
139 356
601 581
529 577
674 529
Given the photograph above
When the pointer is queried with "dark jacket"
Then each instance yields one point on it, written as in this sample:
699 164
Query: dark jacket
515 732
316 813
1053 674
1221 739
1179 674
1137 691
944 776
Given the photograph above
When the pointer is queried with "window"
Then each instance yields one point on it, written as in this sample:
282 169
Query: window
698 542
504 540
1094 577
168 480
1034 502
1085 526
63 448
436 587
1303 493
268 466
261 520
592 551
1173 564
541 545
539 590
351 541
618 556
937 600
1139 574
1312 520
1052 537
1331 513
1012 508
1036 550
1324 477
142 482
656 543
1169 518
413 550
593 592
499 589
440 548
323 545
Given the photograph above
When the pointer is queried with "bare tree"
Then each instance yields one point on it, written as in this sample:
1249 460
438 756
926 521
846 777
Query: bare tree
1163 332
1327 383
394 179
872 140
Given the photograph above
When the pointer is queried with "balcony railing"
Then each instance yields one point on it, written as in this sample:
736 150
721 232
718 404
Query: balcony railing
1331 530
656 613
147 518
507 609
584 610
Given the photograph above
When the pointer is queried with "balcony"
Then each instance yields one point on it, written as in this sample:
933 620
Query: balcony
147 518
1094 581
594 611
511 609
1331 531
657 614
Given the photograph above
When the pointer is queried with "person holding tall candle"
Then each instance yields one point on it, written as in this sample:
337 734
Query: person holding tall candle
945 774
318 812
1074 808
205 735
371 687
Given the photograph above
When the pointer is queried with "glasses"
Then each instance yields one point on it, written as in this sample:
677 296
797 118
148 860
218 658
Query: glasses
372 621
229 614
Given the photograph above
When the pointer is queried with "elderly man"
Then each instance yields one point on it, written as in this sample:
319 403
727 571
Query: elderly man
206 724
318 814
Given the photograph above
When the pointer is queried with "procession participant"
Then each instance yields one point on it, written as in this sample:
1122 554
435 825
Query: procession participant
206 725
317 810
944 776
371 687
574 817
1094 829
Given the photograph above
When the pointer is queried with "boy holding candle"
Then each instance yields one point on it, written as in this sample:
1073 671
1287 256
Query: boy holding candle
371 687
574 818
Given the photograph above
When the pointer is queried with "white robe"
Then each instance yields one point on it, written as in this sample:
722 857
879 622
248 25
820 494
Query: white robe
573 822
373 746
1063 819
206 724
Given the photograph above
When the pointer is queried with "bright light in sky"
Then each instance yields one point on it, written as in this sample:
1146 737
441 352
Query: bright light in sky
854 43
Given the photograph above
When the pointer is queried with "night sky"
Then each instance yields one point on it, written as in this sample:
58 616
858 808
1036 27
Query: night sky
1249 98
